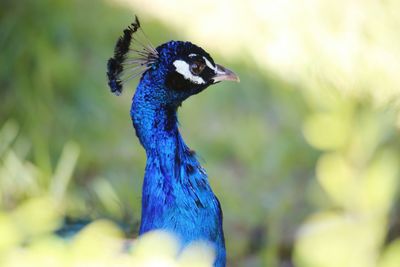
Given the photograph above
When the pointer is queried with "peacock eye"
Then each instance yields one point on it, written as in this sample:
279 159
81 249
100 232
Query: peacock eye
197 67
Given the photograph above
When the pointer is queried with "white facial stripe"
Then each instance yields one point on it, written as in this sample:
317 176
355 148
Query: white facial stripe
208 63
183 68
192 55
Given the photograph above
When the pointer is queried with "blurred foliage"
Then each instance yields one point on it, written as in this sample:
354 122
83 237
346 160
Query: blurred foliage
304 161
27 227
358 172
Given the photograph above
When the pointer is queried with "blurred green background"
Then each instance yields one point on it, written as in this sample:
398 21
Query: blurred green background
303 153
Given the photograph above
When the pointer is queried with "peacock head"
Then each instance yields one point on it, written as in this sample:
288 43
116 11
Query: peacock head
173 71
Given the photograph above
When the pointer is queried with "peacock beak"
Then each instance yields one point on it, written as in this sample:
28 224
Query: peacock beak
224 74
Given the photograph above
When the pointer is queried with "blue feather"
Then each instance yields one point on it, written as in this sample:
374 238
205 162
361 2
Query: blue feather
176 195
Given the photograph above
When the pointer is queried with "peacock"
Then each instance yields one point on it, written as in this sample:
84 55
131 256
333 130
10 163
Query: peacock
176 194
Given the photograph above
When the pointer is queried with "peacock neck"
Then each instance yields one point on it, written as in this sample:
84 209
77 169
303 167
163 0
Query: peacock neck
155 124
176 194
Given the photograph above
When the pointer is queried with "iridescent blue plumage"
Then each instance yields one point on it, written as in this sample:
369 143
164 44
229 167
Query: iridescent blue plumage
176 193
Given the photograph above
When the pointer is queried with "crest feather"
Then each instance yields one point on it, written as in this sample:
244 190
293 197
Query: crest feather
132 57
